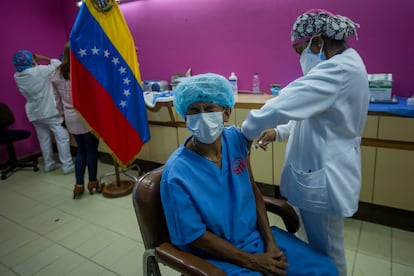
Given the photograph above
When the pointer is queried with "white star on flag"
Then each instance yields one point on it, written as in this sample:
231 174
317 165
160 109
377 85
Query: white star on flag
82 52
127 81
106 53
126 92
123 103
122 70
95 51
115 60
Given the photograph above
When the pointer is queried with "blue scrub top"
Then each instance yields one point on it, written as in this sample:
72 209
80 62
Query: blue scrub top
197 195
194 188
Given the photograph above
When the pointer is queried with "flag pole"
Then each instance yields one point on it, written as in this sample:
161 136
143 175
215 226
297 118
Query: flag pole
119 187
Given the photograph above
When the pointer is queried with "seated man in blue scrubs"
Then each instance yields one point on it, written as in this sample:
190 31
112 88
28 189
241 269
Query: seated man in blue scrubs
212 208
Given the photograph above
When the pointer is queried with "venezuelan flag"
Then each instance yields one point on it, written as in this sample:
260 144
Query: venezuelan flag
105 79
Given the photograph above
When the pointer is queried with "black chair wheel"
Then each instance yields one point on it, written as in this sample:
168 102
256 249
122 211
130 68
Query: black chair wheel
3 176
35 169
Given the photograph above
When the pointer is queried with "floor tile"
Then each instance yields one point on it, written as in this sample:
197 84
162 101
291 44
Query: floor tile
366 265
87 268
115 251
128 264
62 266
350 261
40 260
403 247
352 231
375 240
47 221
14 236
96 243
66 229
402 270
5 271
79 237
26 251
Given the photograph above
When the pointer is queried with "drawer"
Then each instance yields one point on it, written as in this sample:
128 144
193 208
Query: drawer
396 128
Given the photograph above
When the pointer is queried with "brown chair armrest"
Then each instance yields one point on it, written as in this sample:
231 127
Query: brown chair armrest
285 211
184 262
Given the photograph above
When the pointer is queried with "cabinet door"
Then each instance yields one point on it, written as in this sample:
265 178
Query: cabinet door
261 161
394 178
371 127
279 153
368 155
163 143
183 134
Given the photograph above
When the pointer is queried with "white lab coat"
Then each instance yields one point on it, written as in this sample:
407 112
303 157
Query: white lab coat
329 105
35 86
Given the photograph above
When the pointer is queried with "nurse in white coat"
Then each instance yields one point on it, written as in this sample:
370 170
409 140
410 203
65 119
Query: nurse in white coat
326 110
33 82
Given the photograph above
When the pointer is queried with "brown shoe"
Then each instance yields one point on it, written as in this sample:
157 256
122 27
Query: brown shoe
78 191
93 185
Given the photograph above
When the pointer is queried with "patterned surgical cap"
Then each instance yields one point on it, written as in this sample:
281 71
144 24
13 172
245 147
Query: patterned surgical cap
22 60
322 22
208 87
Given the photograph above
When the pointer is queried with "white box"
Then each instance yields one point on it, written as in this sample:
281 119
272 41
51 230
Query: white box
380 86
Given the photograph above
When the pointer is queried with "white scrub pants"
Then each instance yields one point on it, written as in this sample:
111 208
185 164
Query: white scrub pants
326 234
43 128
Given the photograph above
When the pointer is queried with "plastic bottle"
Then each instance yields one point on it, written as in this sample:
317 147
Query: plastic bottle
233 83
256 83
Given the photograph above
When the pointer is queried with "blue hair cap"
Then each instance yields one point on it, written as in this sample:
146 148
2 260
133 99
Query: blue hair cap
207 87
22 60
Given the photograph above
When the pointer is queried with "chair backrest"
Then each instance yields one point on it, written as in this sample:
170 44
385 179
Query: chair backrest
6 116
148 209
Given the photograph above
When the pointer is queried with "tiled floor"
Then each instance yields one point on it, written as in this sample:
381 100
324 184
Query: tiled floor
43 231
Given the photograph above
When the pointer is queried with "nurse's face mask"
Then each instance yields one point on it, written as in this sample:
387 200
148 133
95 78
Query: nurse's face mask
206 126
308 59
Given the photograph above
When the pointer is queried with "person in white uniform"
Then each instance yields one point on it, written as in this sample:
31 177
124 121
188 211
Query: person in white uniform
33 82
322 116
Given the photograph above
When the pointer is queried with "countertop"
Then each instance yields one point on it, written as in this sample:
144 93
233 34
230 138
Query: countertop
255 101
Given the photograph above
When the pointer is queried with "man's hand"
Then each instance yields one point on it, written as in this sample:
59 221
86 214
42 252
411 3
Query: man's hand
270 263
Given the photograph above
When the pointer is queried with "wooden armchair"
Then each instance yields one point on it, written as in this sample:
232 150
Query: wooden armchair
154 232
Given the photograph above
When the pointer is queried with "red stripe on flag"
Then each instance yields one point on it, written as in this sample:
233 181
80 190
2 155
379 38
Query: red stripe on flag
98 109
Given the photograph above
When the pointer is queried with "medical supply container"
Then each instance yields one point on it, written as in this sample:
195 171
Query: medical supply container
256 83
233 83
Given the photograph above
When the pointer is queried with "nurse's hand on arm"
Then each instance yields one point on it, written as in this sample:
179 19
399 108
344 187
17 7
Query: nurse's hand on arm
268 263
267 136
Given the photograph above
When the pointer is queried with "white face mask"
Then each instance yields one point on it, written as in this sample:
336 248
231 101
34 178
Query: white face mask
206 127
308 59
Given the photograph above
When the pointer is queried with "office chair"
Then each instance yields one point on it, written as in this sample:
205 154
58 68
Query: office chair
8 137
158 248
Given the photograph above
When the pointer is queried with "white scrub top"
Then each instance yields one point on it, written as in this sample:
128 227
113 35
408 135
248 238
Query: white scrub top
322 170
35 86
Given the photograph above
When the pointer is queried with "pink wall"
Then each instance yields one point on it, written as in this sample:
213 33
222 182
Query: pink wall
39 26
254 35
212 36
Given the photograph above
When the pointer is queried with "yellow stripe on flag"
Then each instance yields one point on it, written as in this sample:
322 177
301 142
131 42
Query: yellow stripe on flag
116 29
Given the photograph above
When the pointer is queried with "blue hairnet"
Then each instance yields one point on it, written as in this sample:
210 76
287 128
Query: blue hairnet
22 60
208 87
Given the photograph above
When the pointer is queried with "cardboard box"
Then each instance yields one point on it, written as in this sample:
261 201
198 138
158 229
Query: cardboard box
380 86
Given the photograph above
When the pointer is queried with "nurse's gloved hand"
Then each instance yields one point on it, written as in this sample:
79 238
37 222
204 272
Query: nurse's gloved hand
267 136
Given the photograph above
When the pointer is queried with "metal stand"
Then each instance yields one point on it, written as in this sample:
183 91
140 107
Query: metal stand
119 188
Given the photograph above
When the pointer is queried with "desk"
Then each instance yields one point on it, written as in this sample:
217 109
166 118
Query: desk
401 108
